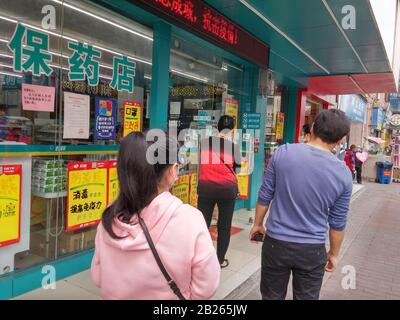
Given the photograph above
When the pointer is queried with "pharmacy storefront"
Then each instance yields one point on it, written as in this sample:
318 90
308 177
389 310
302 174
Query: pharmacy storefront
78 76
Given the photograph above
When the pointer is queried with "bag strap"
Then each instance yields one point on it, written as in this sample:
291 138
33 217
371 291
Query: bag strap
172 284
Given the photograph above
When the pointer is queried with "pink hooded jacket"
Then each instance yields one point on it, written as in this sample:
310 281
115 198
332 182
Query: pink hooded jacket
126 268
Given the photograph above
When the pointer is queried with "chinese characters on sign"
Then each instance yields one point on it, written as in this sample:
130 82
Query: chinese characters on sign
10 204
113 183
87 194
211 21
33 44
30 50
132 117
106 112
196 16
38 98
76 116
181 188
82 64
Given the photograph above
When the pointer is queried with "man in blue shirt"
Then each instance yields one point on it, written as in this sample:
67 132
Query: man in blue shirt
308 191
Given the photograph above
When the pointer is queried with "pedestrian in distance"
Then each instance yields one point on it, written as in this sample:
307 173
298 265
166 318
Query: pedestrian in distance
219 159
350 159
308 192
358 165
149 245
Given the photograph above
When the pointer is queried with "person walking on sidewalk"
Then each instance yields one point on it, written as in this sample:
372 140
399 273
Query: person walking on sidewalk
358 165
219 157
308 191
149 245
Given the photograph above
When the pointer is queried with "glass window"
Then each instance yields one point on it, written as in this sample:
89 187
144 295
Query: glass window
78 68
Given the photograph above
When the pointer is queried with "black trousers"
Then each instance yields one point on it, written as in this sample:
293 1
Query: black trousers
225 213
306 263
359 174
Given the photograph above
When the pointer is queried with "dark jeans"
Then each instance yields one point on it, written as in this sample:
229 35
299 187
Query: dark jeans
359 173
306 262
225 214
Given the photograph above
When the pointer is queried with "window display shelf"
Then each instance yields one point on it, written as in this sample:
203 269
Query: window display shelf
52 195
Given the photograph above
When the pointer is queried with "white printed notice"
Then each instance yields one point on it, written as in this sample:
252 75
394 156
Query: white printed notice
76 116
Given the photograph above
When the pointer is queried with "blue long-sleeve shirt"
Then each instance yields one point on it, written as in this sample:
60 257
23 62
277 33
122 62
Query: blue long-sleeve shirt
308 189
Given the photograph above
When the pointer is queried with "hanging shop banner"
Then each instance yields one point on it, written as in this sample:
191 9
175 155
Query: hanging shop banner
231 109
113 184
106 113
10 204
87 193
196 16
38 98
76 116
354 106
193 197
394 99
132 117
181 188
280 125
243 185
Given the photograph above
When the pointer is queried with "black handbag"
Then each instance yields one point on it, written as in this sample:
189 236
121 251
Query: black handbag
166 275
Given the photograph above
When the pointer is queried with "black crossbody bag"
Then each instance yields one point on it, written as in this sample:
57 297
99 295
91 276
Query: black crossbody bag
165 273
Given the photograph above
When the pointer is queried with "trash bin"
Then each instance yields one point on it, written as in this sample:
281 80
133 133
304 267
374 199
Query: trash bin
384 172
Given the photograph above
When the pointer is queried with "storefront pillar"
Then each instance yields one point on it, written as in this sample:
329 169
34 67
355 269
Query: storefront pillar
290 106
254 103
160 75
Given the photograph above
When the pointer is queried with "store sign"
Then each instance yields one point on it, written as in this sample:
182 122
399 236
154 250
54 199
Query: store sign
193 196
132 117
251 120
243 185
31 53
181 188
280 125
38 98
198 17
113 184
105 119
232 109
394 99
378 117
354 106
87 194
10 204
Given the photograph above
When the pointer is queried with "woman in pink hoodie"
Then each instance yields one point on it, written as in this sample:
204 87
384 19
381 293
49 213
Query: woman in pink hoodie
124 266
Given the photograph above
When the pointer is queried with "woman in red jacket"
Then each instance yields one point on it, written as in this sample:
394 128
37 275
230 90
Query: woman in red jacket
219 157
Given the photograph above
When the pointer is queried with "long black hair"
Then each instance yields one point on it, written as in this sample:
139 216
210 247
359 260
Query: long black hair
138 178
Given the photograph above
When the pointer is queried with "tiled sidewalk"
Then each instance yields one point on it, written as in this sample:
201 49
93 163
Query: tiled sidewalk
244 258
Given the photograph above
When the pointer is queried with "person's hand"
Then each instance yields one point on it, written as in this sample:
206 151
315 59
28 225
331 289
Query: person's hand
331 263
256 230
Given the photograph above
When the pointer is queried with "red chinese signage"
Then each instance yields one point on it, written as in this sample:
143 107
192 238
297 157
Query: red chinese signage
200 18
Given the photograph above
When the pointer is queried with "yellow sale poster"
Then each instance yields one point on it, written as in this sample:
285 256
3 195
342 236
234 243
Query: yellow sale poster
181 188
193 197
232 109
10 204
243 185
113 184
132 117
87 193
